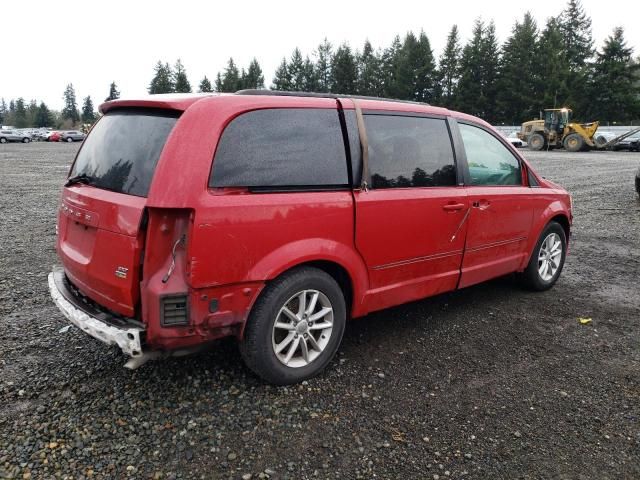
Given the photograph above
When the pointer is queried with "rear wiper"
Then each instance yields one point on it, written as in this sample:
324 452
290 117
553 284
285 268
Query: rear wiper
81 178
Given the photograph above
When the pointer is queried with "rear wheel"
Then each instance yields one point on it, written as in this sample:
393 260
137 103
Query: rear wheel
26 140
547 259
295 327
3 140
536 141
69 139
573 142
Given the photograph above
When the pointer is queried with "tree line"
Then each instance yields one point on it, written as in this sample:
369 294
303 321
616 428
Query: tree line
535 68
20 114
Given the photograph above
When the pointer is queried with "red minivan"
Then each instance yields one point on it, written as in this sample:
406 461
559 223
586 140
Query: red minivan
275 217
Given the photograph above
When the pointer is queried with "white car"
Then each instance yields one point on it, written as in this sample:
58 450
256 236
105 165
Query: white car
514 140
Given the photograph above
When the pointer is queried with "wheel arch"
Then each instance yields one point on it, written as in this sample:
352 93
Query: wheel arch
553 213
337 259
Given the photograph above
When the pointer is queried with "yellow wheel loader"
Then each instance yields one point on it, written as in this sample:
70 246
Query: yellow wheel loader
557 130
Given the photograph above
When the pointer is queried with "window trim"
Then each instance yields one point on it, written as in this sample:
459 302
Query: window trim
503 141
435 116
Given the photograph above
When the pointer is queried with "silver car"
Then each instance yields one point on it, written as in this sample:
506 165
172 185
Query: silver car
72 136
7 135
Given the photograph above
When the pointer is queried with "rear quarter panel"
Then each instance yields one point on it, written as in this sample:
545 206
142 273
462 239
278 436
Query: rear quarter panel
240 237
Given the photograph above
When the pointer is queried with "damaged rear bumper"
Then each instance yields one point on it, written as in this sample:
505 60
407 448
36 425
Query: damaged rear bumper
95 323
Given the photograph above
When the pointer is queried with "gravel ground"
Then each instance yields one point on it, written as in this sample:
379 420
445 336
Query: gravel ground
489 382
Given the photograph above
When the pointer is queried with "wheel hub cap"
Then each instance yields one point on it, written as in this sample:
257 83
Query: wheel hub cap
302 328
549 257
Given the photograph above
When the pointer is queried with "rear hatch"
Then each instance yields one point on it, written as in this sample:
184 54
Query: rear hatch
101 219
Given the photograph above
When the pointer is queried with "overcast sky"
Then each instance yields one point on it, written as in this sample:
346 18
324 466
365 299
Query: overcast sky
47 45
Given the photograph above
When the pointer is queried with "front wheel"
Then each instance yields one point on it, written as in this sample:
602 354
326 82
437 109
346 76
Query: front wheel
26 140
295 327
573 142
69 140
536 142
547 259
3 140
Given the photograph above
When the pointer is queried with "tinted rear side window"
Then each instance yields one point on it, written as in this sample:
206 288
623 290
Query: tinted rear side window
281 148
409 152
122 150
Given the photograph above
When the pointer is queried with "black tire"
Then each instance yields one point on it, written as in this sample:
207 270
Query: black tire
573 142
26 140
3 140
69 139
531 277
536 141
257 347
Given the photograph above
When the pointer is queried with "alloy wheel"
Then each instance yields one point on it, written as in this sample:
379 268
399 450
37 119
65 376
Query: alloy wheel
302 328
549 256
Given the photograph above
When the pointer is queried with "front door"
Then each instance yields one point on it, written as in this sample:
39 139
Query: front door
501 209
410 226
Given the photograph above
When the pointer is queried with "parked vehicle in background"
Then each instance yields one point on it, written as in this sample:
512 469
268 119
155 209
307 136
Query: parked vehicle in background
513 139
53 137
72 136
13 136
274 217
630 144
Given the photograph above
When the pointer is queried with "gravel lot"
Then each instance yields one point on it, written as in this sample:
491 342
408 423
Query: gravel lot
489 382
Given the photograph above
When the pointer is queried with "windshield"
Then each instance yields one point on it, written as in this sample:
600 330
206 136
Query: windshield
123 148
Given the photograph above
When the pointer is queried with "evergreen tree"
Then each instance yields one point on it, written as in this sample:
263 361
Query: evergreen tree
479 64
32 111
389 62
282 78
205 85
550 78
404 68
3 111
369 72
619 100
345 71
113 92
43 117
323 72
449 69
88 114
310 77
423 70
230 80
254 77
70 110
20 117
162 81
575 26
490 54
517 93
296 71
470 98
181 81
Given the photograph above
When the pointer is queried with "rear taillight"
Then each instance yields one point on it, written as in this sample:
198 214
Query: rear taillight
174 310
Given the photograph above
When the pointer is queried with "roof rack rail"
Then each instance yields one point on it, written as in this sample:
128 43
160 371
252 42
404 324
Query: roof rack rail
281 93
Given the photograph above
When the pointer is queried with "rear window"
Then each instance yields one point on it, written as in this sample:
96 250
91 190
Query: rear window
279 148
122 150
